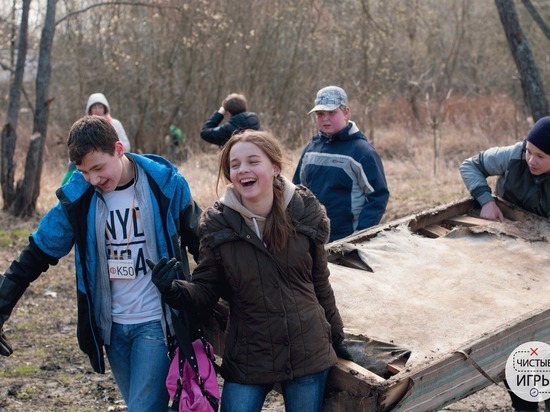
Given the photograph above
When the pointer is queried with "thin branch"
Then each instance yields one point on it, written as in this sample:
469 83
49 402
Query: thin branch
536 16
27 99
116 3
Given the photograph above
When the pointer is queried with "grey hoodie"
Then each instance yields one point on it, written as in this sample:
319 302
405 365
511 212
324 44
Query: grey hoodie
255 222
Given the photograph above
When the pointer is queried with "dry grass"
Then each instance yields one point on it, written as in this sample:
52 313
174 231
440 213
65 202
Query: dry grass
412 184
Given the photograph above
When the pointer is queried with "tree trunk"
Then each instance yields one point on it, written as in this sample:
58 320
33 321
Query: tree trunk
9 132
23 204
531 81
29 189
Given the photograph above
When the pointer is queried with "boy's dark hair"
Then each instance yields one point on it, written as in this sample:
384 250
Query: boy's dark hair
235 103
90 134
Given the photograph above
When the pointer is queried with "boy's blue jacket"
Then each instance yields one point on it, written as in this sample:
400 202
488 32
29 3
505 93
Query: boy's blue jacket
72 222
346 174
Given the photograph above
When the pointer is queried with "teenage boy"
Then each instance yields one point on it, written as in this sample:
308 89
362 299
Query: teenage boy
238 119
118 210
523 171
342 168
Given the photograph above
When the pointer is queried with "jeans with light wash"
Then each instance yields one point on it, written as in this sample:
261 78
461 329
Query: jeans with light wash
304 394
139 362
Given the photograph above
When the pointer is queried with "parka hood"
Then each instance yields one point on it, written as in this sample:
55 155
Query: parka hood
232 199
97 98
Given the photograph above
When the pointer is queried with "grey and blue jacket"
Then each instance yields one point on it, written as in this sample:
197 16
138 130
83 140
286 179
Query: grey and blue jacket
515 182
170 222
346 174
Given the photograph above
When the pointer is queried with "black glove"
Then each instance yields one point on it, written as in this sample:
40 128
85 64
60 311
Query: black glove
5 345
164 273
342 351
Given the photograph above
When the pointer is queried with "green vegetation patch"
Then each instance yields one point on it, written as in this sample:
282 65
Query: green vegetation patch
14 237
19 371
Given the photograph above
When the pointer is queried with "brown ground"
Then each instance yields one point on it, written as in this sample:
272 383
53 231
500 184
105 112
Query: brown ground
47 372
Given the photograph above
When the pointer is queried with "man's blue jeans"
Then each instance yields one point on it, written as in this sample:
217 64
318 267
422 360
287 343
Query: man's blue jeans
139 362
304 394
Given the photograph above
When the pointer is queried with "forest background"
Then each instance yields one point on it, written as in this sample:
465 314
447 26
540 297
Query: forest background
417 68
430 82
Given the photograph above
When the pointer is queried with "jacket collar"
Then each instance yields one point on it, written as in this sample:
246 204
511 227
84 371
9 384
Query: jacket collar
350 132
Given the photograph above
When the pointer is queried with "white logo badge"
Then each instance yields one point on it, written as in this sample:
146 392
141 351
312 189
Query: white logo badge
528 371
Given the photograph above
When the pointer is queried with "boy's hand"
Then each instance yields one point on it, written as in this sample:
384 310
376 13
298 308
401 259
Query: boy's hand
491 211
164 273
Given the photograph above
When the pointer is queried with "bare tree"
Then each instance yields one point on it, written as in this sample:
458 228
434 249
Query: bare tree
9 132
22 202
531 81
163 62
28 189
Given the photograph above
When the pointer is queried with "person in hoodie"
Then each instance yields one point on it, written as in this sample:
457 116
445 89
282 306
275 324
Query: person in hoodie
262 250
117 210
341 168
98 105
234 108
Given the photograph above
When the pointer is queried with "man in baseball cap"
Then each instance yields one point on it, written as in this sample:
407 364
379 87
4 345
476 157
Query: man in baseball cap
330 98
341 168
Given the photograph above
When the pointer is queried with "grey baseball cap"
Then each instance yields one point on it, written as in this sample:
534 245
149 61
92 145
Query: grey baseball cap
330 98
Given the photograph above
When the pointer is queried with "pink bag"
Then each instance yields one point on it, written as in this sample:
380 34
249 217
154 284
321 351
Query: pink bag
197 390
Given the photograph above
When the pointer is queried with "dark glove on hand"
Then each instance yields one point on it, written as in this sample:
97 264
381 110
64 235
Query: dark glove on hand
5 345
342 351
163 274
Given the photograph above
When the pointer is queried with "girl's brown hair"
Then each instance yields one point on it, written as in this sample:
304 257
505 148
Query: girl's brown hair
277 228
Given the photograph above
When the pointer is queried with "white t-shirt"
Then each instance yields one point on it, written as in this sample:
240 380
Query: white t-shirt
135 300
